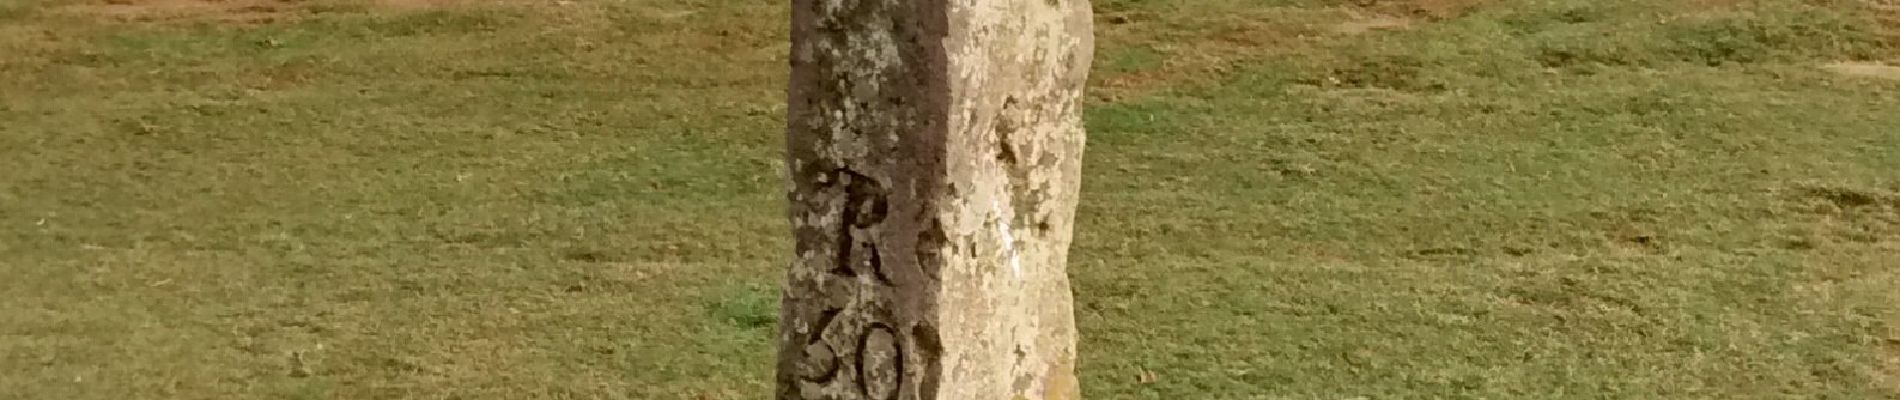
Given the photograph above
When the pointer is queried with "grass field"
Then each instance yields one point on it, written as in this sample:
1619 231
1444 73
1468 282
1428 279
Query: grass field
1285 199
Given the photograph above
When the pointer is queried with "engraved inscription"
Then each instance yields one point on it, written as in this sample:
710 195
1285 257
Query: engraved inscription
880 364
853 351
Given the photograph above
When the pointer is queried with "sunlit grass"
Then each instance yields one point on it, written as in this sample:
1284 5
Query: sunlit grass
1470 199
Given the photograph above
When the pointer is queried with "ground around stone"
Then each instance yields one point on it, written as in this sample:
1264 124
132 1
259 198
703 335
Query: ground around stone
1629 199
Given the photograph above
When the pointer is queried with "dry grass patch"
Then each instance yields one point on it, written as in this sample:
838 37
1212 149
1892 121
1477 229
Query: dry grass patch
1887 14
247 11
1224 34
256 11
1204 49
1891 377
1426 9
1865 69
1372 23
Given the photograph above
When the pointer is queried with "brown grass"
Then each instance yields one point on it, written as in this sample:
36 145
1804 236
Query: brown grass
1887 14
1243 32
234 11
1892 372
1889 374
1246 31
1865 70
1205 59
1425 9
164 10
1371 23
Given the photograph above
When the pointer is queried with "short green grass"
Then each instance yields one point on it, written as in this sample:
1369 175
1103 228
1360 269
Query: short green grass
1536 199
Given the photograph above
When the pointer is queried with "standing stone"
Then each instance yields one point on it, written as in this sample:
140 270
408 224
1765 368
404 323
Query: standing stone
935 154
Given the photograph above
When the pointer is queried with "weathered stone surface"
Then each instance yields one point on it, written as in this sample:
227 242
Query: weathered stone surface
934 152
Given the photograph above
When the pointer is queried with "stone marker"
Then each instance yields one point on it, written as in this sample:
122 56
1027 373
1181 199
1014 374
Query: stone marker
934 152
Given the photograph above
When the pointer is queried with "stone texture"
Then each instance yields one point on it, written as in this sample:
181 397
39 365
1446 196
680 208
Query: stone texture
934 149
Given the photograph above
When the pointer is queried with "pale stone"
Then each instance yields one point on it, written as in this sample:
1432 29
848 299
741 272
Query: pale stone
935 155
